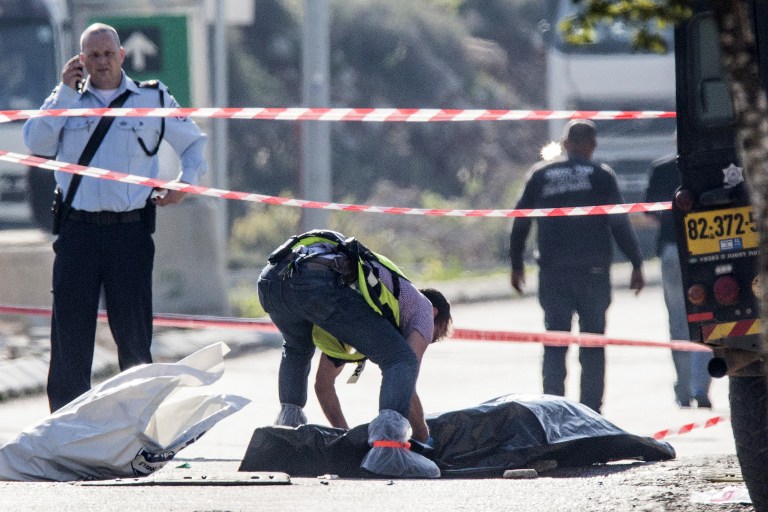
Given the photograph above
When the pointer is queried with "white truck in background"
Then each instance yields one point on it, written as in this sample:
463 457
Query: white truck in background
610 74
33 43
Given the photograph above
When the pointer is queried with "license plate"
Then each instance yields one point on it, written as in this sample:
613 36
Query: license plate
721 231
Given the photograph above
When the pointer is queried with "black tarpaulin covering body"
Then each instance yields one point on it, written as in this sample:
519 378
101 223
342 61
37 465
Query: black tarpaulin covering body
508 432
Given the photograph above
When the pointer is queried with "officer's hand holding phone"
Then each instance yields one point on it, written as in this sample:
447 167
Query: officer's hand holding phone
73 73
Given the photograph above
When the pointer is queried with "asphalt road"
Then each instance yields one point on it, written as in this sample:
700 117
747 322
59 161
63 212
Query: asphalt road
455 374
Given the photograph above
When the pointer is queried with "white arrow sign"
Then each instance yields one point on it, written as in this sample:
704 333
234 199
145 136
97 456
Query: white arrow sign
138 47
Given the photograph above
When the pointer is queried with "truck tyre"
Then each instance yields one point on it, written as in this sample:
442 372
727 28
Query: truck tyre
749 418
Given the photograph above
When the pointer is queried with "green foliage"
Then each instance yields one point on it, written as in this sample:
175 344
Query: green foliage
245 302
645 17
259 232
425 247
388 54
421 245
483 54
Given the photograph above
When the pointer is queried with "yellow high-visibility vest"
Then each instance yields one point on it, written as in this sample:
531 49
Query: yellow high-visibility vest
378 296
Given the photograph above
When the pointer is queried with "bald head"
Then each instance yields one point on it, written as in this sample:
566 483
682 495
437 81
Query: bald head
580 138
97 29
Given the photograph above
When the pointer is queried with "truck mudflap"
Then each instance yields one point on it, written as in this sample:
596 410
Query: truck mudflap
715 333
738 348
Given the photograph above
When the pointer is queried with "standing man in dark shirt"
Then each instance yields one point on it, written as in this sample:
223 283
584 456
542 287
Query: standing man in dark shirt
693 380
575 254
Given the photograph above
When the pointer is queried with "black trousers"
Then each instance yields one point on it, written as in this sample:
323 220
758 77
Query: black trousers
117 258
563 293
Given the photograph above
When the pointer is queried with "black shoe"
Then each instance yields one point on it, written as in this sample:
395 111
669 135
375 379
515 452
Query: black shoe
702 402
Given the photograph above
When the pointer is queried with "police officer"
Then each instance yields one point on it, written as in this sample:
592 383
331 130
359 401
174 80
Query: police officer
105 238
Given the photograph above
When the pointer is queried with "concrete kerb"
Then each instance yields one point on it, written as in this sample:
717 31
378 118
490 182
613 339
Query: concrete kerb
27 375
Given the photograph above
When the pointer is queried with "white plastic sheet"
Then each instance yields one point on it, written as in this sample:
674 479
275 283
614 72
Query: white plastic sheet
130 425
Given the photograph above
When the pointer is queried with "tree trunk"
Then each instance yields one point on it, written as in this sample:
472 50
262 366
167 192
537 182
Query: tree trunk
749 394
751 120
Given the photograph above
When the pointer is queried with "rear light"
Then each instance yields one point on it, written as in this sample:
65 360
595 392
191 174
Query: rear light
684 200
697 295
726 290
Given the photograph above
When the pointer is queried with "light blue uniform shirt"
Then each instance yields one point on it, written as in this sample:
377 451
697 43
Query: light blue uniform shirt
66 137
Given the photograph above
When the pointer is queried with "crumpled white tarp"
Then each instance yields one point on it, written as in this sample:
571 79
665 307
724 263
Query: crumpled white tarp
130 425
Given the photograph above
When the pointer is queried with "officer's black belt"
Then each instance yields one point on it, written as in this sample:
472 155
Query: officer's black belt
105 218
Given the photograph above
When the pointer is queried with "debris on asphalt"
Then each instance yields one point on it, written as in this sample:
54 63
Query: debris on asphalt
517 474
729 494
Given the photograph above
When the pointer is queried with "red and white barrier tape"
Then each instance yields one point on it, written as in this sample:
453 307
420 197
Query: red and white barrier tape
417 115
554 338
95 172
546 338
687 428
550 338
164 320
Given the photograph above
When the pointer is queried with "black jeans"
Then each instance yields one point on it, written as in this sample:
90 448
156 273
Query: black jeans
563 292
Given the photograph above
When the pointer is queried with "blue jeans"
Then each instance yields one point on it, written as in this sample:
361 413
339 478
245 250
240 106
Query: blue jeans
691 367
586 292
315 296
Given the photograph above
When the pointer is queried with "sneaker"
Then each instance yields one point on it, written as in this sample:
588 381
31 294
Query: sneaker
682 399
702 402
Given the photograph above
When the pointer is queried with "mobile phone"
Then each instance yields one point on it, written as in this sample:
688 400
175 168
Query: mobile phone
81 82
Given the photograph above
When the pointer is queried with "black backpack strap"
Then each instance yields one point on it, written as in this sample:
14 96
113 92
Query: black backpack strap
281 252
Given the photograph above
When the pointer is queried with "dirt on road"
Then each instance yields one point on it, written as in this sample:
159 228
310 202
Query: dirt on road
622 486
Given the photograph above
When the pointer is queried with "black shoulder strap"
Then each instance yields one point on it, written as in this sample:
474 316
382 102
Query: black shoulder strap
153 84
93 144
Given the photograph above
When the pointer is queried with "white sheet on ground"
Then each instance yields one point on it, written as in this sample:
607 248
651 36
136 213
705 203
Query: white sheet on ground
127 426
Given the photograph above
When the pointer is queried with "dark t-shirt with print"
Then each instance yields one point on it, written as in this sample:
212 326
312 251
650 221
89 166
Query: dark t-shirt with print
573 241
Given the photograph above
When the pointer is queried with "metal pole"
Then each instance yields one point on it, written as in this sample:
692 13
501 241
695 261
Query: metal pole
220 99
316 153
